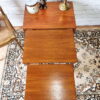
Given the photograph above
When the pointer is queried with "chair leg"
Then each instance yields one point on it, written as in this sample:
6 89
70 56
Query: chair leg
19 44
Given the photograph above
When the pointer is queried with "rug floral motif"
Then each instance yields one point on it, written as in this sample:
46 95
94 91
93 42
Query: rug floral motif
13 80
86 70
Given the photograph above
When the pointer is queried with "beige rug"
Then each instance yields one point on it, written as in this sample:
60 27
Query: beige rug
3 51
87 70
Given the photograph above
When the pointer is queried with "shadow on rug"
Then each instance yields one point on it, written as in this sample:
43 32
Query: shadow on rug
86 71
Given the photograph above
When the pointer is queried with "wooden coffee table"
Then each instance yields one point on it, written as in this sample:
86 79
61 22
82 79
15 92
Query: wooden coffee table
50 82
49 38
49 46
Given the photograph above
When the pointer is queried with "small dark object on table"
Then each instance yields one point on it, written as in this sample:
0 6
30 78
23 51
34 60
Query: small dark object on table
43 4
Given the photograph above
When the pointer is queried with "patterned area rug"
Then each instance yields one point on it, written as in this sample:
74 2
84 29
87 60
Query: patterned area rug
86 71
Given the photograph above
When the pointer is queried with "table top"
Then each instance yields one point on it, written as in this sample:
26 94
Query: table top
45 46
50 18
50 82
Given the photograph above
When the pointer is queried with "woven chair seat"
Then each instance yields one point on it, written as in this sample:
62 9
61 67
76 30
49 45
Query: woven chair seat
5 36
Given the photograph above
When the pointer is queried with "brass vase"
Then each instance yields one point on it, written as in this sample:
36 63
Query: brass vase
64 5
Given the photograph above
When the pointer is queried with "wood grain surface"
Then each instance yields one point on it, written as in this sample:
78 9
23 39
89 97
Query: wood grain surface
49 46
50 18
50 82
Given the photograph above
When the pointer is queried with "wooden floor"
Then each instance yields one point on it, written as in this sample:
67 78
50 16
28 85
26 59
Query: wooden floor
78 27
50 82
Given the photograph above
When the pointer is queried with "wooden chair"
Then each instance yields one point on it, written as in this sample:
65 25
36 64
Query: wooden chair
7 34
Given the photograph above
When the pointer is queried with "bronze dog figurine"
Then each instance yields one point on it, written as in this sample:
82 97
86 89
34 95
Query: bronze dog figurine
43 4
